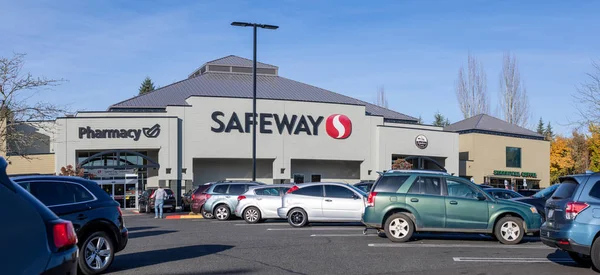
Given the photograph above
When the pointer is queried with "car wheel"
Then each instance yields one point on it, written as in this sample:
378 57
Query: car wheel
222 213
297 217
509 230
581 259
251 215
97 253
206 214
399 227
595 254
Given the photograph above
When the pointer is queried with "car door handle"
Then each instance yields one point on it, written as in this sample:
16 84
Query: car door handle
414 200
259 199
228 197
81 217
453 202
328 200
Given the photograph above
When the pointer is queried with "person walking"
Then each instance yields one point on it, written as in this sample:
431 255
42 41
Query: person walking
159 199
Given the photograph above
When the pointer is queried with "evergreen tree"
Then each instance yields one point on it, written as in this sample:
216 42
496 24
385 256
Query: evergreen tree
147 86
440 121
549 133
420 120
540 128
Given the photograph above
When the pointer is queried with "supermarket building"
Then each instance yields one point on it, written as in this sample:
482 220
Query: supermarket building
199 130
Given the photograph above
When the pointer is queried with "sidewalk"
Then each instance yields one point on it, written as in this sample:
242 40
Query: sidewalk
170 216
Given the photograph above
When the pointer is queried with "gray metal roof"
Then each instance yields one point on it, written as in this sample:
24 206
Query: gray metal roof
233 60
234 85
486 123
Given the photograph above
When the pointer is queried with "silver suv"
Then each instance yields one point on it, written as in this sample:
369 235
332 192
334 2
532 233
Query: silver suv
221 198
261 202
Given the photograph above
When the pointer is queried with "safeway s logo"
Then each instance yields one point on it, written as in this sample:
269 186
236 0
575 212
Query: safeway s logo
338 126
152 132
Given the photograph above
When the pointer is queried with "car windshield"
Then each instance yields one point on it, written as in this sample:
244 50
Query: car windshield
546 192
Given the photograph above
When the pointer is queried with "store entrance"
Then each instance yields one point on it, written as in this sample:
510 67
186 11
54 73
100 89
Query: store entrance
124 191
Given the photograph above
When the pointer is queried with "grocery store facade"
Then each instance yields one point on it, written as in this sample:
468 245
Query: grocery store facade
199 130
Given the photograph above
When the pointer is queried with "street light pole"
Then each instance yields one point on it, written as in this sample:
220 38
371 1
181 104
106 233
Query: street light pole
255 26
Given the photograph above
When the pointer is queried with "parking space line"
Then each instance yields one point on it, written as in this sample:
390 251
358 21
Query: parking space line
408 245
268 224
315 228
342 235
513 260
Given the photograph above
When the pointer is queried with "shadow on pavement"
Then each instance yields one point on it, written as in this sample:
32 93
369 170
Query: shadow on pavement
462 237
225 271
134 235
131 229
148 258
559 257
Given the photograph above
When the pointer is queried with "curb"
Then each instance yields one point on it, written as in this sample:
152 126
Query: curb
185 216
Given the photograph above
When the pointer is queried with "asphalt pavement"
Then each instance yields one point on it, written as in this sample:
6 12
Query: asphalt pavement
197 246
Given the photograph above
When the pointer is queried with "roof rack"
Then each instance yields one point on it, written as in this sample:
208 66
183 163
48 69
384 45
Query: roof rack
418 171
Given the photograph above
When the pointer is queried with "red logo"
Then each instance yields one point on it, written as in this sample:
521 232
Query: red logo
338 126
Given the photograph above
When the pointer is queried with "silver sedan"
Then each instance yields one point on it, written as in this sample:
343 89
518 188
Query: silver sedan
261 202
322 202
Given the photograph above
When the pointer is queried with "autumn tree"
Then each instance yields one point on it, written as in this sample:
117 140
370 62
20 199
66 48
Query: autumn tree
593 143
471 89
19 111
579 152
401 164
561 159
514 102
147 86
440 121
69 170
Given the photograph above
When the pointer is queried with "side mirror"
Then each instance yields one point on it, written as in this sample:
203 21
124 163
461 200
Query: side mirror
480 197
355 196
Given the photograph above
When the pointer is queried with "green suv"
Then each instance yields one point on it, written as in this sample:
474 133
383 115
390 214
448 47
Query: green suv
404 202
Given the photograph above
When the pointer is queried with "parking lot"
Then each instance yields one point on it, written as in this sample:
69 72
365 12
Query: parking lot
194 246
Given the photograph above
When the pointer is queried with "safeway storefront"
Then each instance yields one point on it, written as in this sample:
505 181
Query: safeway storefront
200 130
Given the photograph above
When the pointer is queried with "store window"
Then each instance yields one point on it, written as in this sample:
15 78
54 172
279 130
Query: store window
298 178
315 178
513 157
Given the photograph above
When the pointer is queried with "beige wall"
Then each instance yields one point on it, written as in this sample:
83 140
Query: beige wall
488 153
42 164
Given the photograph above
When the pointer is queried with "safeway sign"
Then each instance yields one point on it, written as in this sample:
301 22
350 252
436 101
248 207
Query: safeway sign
337 126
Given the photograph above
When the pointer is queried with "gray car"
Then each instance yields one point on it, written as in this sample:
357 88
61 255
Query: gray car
222 198
261 202
322 202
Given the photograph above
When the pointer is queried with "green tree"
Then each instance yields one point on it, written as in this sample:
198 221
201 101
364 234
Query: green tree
147 86
540 128
548 133
594 147
440 120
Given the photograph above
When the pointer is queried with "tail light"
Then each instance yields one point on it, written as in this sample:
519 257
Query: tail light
241 198
294 188
208 196
371 199
574 208
63 234
193 196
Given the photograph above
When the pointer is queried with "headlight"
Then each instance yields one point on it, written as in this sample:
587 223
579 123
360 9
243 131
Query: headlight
533 210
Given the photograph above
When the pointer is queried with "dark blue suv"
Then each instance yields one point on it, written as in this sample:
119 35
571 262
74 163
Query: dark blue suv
573 218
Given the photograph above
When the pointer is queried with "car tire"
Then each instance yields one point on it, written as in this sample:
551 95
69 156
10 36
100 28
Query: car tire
205 214
96 253
222 213
297 217
251 215
580 259
595 254
509 230
399 228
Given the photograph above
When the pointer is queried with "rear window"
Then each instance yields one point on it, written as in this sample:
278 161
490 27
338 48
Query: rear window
595 192
220 189
390 183
201 189
237 189
565 190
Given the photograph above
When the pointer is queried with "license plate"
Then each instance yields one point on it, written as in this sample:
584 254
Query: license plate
550 213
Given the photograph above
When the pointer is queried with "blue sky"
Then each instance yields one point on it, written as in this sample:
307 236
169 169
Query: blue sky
412 48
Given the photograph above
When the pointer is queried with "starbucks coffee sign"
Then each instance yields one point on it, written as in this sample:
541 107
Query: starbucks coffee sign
515 174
